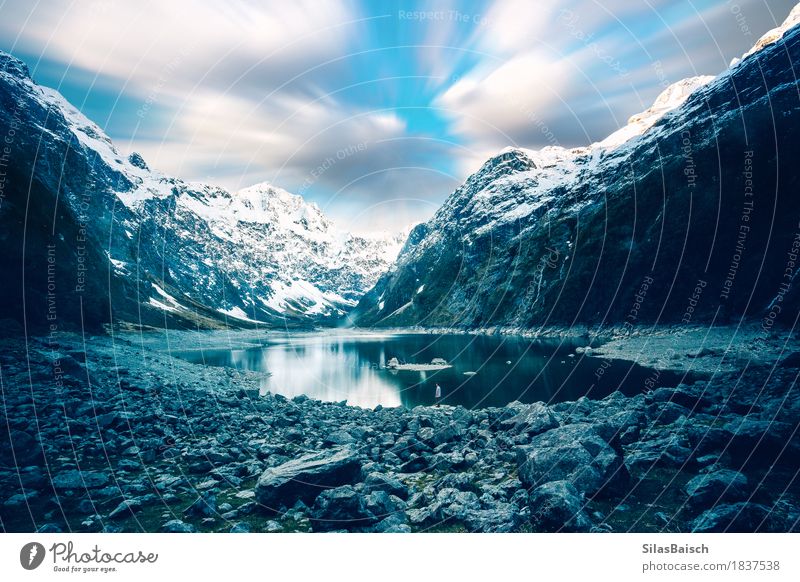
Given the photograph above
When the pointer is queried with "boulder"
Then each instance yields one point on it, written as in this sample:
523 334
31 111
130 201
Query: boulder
532 419
126 509
338 437
383 482
689 396
381 504
204 506
342 508
177 526
306 477
558 507
74 479
757 441
449 504
733 518
23 449
667 450
709 489
574 453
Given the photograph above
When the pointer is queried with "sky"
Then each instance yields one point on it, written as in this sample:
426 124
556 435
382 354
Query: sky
374 110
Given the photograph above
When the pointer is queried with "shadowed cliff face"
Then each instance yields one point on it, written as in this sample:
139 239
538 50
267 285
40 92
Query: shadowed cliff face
694 220
54 210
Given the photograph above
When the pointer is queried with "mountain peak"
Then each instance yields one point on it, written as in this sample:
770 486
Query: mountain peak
774 35
13 66
670 98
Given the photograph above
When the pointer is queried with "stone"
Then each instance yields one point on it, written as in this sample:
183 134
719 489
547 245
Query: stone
126 509
204 506
338 437
558 507
384 482
177 526
23 449
733 518
395 523
342 508
532 419
381 504
709 489
305 477
666 450
73 479
575 453
449 504
497 518
691 397
240 527
757 441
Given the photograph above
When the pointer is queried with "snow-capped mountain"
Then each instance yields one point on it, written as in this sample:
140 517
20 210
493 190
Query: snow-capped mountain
264 252
142 247
687 213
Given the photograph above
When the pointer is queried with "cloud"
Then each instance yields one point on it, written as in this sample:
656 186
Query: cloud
356 106
571 72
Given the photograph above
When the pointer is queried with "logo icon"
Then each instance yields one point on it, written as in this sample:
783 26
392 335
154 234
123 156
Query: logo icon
31 555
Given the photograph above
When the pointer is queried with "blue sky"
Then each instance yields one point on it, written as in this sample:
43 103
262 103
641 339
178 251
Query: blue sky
374 110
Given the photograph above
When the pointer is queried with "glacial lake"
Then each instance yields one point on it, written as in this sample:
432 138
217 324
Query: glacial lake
486 370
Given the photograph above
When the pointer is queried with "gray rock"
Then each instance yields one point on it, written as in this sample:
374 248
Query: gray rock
558 507
708 489
177 526
665 450
449 504
23 449
382 482
532 419
395 523
338 437
496 518
381 504
734 518
304 478
575 453
75 480
126 509
342 508
204 506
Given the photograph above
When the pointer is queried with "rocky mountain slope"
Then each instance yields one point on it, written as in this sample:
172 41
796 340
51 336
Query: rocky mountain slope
686 214
92 236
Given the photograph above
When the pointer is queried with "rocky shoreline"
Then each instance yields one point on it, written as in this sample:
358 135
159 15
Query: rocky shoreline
111 434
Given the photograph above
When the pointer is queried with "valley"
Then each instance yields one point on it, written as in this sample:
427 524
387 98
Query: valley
590 339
